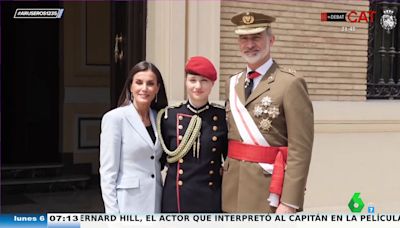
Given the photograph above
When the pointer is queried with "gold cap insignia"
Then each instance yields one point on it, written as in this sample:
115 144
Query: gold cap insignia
248 19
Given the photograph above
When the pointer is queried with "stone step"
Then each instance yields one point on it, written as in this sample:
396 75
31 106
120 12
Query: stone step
31 166
44 170
45 177
46 184
46 180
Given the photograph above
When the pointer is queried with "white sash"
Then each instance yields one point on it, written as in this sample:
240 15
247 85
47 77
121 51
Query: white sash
248 129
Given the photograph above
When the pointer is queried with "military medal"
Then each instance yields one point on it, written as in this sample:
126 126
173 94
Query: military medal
267 112
258 111
265 124
266 101
273 112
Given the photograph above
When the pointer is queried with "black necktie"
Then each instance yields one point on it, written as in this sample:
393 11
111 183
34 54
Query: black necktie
249 83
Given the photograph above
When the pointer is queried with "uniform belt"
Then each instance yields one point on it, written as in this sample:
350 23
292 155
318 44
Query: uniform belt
254 153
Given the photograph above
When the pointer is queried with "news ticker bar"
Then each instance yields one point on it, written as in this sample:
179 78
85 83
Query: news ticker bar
74 220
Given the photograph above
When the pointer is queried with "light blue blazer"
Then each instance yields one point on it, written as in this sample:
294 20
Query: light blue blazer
130 172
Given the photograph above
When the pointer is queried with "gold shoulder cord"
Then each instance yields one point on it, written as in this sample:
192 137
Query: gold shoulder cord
191 134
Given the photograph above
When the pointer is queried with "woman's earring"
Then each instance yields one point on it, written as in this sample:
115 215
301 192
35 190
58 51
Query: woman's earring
156 98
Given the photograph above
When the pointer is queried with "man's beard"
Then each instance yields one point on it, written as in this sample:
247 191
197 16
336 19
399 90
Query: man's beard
254 58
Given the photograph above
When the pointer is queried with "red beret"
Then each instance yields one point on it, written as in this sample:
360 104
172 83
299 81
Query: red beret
199 65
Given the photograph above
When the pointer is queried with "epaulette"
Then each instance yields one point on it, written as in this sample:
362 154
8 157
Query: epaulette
288 70
237 73
176 105
217 105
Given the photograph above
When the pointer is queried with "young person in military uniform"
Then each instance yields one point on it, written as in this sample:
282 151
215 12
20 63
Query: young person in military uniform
271 127
194 137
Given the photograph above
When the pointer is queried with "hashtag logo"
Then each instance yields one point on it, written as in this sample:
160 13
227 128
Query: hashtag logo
356 204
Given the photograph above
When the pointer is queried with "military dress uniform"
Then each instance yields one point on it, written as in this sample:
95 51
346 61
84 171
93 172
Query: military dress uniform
283 115
193 183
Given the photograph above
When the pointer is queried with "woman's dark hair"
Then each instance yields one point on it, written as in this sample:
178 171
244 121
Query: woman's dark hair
124 98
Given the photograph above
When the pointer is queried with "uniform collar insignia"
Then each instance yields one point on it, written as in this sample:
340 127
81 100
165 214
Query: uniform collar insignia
197 110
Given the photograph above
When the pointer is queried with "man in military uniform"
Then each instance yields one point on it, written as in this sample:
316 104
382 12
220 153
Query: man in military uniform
271 127
194 136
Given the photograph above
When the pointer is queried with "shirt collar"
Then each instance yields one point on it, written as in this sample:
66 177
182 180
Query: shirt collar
263 69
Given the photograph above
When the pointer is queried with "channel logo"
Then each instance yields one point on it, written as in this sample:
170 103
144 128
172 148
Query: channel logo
351 16
356 204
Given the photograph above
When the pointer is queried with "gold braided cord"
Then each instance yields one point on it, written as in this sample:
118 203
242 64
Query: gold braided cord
187 145
189 138
194 150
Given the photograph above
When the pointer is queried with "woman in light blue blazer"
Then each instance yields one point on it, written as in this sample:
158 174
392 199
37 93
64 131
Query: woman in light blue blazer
130 152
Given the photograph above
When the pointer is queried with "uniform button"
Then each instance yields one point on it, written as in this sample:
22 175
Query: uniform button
152 157
214 138
181 160
180 183
215 118
212 162
180 117
181 171
180 127
152 175
210 183
211 172
215 128
214 149
180 137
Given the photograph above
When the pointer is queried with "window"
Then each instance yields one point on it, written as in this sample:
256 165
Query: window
383 73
